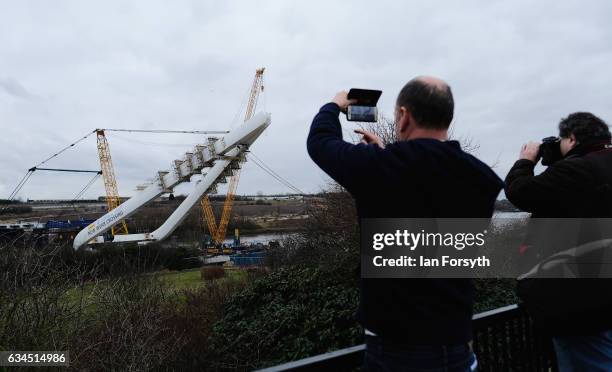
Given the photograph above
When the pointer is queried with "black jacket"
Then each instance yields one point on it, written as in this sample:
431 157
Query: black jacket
577 187
420 178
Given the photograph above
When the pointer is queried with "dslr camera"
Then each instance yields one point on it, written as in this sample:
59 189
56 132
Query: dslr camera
550 150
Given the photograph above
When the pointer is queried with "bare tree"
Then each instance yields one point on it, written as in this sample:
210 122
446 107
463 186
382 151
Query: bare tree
468 144
384 128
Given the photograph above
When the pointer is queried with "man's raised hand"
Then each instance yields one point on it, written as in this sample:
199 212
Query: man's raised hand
530 151
341 99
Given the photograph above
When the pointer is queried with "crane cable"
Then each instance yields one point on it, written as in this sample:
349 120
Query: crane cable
260 163
263 87
165 131
87 186
79 195
64 149
83 190
29 173
17 188
149 143
235 121
76 197
276 178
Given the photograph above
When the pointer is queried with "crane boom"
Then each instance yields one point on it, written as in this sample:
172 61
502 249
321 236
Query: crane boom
110 182
218 232
209 216
227 206
254 96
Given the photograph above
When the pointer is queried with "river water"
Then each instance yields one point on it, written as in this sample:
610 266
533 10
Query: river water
259 238
267 237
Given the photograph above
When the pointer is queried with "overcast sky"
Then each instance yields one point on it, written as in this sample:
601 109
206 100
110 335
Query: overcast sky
67 67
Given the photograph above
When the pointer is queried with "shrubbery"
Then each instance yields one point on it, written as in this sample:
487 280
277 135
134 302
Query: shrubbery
305 305
290 314
112 260
124 322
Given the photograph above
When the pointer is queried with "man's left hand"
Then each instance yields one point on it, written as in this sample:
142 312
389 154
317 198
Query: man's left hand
530 151
341 99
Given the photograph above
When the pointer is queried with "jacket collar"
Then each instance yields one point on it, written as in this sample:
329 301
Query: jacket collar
588 147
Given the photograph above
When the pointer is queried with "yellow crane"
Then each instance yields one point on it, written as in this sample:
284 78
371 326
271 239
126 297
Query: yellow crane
217 232
110 182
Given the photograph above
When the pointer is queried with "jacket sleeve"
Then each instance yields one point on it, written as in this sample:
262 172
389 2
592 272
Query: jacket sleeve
344 162
547 190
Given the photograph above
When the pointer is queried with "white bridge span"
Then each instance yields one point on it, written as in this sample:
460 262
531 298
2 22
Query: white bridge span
215 160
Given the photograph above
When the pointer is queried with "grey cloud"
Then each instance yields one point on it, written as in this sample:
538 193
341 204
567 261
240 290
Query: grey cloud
515 68
14 88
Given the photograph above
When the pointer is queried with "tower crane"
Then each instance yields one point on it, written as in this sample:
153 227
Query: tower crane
218 232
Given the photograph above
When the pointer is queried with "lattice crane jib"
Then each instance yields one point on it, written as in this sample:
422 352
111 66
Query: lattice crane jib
227 206
218 231
254 96
209 216
110 182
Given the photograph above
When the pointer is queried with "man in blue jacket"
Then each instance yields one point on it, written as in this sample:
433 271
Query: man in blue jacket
410 324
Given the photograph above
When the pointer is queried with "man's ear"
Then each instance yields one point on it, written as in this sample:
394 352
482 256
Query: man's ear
404 119
573 140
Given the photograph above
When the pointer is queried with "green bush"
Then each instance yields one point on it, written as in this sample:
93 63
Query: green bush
289 314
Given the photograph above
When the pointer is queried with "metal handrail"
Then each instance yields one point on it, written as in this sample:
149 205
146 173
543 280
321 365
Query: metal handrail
504 340
336 360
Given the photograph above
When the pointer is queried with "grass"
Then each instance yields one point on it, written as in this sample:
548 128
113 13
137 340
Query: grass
191 279
174 280
186 279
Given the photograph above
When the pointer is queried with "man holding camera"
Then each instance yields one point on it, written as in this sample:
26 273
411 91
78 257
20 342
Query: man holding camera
410 324
576 186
